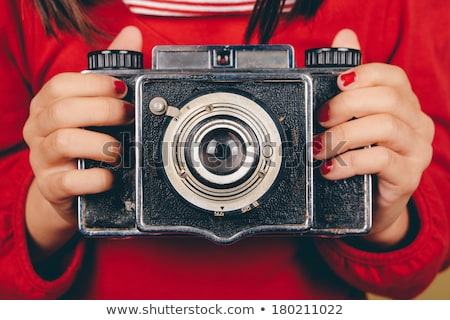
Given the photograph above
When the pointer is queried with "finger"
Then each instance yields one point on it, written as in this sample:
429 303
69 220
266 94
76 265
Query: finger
68 144
390 167
374 74
82 112
78 85
346 38
365 101
59 186
381 129
129 38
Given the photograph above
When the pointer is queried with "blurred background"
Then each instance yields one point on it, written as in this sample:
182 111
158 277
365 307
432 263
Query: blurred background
438 290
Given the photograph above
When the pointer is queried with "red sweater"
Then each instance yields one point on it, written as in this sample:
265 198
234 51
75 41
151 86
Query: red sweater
410 34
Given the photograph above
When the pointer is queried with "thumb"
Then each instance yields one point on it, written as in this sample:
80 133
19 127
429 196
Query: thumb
129 38
346 38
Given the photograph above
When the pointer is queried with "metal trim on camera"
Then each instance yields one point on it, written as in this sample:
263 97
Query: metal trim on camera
223 57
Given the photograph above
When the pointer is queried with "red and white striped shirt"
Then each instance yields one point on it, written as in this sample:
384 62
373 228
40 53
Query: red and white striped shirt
186 8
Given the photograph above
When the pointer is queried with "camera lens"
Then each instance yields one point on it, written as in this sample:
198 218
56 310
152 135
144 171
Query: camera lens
222 151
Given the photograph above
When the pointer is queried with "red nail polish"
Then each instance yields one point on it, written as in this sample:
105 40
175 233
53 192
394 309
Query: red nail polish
326 167
317 145
129 110
120 87
348 78
324 113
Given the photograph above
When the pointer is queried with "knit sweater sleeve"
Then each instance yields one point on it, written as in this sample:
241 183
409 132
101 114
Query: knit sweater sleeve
423 51
18 279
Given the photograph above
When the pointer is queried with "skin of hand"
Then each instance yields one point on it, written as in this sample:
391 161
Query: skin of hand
56 138
385 114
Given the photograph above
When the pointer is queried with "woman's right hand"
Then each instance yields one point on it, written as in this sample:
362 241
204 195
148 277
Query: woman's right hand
56 138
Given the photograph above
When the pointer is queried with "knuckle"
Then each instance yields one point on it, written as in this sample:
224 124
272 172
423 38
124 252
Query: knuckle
345 99
335 141
55 85
429 128
64 183
414 101
412 182
27 132
392 96
385 158
350 161
375 70
34 104
391 125
381 71
36 162
44 182
340 135
101 82
110 110
106 111
55 114
427 155
58 141
359 163
399 72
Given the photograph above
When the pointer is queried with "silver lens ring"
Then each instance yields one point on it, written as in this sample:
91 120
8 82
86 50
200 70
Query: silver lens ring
236 145
241 187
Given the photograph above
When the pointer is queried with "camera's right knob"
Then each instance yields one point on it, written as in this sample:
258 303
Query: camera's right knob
332 57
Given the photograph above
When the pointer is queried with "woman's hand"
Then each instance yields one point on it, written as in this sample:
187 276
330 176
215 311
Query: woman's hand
56 138
386 114
53 132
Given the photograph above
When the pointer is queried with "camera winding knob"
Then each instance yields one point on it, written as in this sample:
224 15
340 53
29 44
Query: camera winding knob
115 59
332 57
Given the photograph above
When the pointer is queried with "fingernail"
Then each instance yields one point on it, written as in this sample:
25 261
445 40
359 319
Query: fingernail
326 167
317 145
129 110
324 113
348 78
120 87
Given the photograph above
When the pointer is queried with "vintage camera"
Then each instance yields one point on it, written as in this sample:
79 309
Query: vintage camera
221 146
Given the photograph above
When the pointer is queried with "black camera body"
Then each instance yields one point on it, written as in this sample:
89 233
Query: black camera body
221 146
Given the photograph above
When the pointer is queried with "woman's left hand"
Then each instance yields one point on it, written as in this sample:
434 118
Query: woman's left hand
385 114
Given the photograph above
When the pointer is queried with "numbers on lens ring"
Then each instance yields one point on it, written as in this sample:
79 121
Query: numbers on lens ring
307 309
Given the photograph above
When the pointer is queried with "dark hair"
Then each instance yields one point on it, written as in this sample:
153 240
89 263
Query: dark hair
71 15
267 13
66 15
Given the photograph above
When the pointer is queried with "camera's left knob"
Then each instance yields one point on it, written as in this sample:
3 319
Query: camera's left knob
115 59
